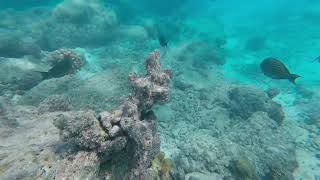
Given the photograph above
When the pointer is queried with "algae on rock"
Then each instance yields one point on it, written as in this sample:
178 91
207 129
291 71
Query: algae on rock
161 167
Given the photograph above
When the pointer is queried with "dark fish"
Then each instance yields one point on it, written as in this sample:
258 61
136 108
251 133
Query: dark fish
316 59
60 69
275 69
162 40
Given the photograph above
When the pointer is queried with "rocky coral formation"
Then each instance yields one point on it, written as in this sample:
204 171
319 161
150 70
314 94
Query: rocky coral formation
155 86
132 124
19 75
245 169
16 75
108 85
76 59
78 23
161 167
55 103
245 101
272 92
209 130
84 165
13 46
28 148
202 54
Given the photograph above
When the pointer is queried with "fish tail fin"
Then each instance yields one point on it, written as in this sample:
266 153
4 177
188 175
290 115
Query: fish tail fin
44 75
293 78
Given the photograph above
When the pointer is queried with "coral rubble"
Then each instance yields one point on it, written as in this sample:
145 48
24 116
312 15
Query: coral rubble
55 103
232 130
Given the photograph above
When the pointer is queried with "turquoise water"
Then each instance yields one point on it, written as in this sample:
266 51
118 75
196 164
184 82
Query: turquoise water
219 123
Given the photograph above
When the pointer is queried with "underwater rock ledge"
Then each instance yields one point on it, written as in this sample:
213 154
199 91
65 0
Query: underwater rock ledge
127 132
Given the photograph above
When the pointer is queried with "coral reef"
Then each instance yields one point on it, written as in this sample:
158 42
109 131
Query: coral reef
13 46
83 93
16 75
161 167
29 148
82 127
202 54
78 23
272 92
2 105
246 101
202 176
244 169
19 75
126 139
155 86
110 133
84 165
55 103
208 130
76 59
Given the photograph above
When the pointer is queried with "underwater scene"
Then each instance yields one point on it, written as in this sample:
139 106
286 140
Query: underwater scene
160 89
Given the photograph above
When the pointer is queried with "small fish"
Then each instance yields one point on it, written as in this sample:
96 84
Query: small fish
60 69
316 59
275 69
162 40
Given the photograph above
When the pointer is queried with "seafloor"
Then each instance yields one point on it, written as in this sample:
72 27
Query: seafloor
213 113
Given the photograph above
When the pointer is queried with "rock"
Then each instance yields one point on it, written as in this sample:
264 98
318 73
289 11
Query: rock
69 55
115 131
113 146
96 134
244 169
55 103
12 46
239 120
117 117
82 128
182 85
35 143
3 105
136 33
202 176
84 165
76 23
18 75
155 86
273 92
105 120
246 100
126 124
202 55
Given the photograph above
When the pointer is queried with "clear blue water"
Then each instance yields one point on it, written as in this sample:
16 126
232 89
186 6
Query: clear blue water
212 47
